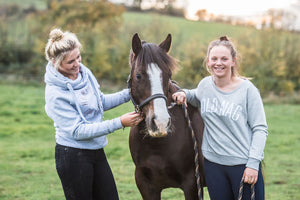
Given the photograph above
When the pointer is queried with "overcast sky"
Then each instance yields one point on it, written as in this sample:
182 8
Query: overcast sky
236 7
241 8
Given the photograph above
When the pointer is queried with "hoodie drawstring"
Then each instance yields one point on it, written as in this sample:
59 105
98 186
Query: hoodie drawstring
76 102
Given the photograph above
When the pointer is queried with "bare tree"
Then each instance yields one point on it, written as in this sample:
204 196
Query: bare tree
295 11
164 3
275 18
137 4
201 14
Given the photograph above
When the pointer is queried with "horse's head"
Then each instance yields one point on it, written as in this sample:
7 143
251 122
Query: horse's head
151 71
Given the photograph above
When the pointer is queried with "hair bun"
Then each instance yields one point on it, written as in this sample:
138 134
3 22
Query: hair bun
56 35
225 38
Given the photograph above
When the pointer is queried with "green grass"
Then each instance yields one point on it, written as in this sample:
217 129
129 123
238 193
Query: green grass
206 31
282 161
27 167
185 33
39 4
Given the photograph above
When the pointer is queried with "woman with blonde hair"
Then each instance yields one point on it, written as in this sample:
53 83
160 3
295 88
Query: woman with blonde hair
76 104
235 129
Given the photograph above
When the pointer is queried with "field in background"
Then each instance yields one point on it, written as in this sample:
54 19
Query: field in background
27 168
39 4
274 66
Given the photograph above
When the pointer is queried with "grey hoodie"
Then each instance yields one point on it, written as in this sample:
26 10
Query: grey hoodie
235 124
76 107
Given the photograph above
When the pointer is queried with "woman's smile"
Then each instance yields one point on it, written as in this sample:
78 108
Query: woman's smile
219 68
220 61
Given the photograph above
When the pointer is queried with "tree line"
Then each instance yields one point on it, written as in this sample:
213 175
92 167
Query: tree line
271 57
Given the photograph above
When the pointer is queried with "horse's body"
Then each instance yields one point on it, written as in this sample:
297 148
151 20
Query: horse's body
161 146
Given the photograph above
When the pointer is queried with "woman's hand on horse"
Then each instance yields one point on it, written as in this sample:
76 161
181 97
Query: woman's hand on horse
250 176
131 119
179 98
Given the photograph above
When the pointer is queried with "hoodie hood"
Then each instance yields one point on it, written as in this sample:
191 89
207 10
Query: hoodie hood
54 77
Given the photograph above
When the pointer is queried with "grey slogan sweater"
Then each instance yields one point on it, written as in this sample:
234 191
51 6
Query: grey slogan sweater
235 123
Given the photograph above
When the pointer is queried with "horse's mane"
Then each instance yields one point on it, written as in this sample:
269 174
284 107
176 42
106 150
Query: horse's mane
152 53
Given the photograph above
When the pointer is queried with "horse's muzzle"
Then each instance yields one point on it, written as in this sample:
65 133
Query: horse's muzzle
159 127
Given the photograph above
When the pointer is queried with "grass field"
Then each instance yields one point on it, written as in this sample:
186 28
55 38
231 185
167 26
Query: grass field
39 4
27 168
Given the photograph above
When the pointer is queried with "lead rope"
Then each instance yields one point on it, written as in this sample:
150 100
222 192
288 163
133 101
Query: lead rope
241 191
196 160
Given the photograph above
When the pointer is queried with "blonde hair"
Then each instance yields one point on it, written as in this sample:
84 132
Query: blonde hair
59 45
224 41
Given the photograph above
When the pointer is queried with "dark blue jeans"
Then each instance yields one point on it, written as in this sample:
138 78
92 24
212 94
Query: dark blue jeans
85 174
223 182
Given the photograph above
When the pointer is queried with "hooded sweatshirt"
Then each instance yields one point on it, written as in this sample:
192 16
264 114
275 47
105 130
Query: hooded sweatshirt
235 129
77 106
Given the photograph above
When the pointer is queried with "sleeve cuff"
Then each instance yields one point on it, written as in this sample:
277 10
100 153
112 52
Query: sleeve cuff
253 163
127 94
117 123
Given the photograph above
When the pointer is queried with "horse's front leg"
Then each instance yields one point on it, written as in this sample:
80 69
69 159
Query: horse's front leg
190 187
191 193
146 188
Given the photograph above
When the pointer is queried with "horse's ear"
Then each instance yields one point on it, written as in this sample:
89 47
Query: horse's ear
136 44
166 44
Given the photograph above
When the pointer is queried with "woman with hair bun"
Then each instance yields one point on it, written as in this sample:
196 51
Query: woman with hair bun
76 104
235 129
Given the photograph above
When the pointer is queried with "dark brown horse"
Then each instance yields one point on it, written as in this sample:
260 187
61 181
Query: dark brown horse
161 145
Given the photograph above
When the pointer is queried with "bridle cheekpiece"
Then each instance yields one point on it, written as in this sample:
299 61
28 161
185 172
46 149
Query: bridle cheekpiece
138 107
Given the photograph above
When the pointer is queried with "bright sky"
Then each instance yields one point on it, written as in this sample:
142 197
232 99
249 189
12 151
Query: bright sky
236 7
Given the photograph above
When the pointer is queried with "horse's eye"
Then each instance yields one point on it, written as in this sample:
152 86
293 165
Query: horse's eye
138 76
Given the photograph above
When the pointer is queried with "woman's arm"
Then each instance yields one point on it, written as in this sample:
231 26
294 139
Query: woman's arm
258 125
112 100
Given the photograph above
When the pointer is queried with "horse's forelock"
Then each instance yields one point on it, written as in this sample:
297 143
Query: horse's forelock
151 53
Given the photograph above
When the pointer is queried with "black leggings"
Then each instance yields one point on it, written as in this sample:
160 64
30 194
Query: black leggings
85 174
223 182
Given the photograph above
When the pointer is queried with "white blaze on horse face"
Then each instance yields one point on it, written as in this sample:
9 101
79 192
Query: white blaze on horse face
162 116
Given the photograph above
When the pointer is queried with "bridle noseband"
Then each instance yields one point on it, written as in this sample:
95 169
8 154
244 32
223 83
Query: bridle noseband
138 107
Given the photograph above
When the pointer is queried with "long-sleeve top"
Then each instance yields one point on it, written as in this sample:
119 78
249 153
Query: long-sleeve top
77 106
235 123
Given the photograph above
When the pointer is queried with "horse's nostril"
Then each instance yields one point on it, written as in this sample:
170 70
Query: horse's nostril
153 124
169 123
153 118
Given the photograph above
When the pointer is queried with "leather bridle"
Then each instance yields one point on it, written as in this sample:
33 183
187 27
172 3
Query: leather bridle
138 107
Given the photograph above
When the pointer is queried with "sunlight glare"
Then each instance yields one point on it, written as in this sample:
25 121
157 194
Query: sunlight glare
235 7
